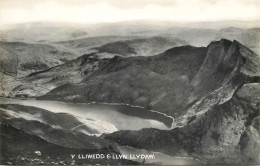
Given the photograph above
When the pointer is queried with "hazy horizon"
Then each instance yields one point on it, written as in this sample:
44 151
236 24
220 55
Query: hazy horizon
114 11
148 23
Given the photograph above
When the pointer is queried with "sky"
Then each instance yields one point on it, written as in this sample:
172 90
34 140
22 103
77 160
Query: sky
106 11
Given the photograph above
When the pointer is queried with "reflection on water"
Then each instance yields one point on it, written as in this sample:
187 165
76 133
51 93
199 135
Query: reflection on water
123 117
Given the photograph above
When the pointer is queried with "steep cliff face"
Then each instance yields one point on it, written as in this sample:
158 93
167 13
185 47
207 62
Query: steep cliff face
226 63
220 61
227 66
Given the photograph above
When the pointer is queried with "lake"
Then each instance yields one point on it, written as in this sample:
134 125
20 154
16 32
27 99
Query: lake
123 117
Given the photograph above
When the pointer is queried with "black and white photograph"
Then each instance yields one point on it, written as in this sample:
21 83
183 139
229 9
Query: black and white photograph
130 82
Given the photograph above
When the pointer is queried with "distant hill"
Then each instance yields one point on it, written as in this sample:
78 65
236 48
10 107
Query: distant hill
141 47
20 59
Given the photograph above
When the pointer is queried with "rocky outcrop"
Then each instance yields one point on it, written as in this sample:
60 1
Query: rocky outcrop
226 63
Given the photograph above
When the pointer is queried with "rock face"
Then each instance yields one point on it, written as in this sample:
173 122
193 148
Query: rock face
222 65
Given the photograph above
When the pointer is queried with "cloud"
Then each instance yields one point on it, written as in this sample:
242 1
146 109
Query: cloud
89 11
